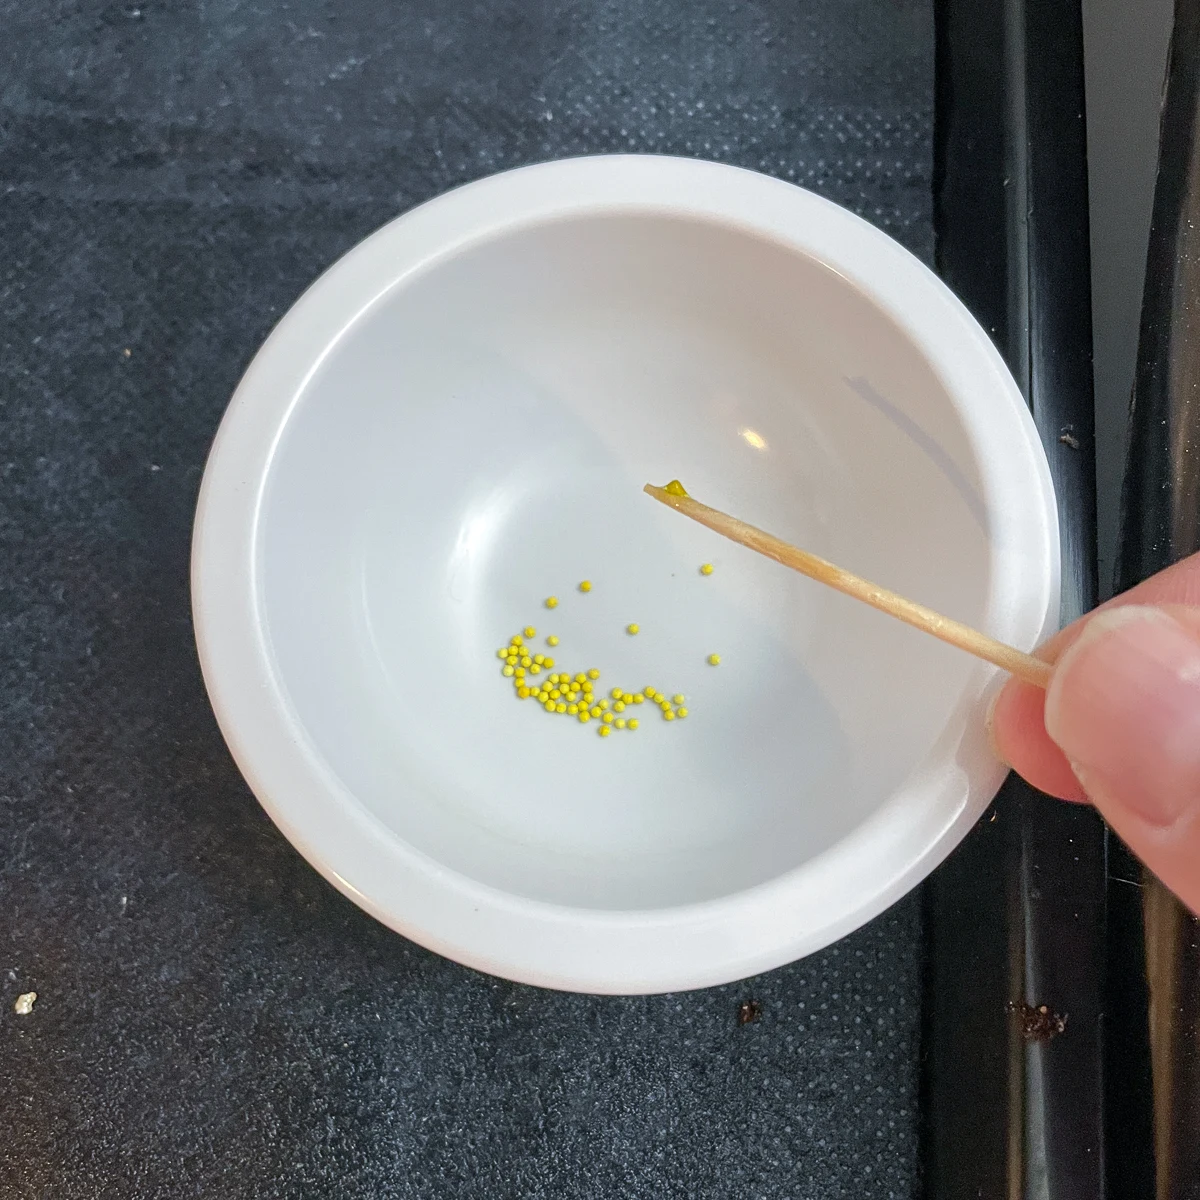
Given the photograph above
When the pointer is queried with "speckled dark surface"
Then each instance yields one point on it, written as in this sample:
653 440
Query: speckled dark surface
212 1018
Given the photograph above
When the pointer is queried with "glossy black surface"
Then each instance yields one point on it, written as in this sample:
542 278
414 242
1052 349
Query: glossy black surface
1161 511
1154 1068
1016 918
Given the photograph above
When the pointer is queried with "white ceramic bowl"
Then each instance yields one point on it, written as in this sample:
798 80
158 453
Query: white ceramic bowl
456 421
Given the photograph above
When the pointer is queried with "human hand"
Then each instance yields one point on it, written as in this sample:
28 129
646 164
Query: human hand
1120 723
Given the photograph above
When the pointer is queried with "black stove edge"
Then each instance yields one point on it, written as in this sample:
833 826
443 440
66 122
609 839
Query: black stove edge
1016 919
1154 994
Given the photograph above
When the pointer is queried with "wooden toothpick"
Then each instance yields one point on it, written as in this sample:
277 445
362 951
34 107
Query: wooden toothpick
1016 662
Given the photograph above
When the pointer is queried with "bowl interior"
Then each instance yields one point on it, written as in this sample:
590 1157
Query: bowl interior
477 440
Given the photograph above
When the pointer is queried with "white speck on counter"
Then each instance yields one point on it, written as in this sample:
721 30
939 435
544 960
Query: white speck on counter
24 1004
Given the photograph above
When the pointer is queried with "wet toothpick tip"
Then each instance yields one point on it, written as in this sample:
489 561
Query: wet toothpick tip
1016 662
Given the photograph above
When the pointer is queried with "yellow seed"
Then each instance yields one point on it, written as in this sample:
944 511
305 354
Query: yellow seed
549 662
552 640
633 724
580 678
502 652
620 722
619 706
586 586
607 718
540 659
628 697
584 716
706 569
681 713
604 731
526 660
555 694
668 715
639 698
573 709
593 674
548 705
535 669
508 672
650 692
714 660
664 703
523 693
597 712
551 601
560 707
631 629
679 698
604 704
615 693
530 631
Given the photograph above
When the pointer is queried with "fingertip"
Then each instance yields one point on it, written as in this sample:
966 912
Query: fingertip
1017 728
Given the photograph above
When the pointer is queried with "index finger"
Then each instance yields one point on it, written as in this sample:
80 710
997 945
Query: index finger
1017 725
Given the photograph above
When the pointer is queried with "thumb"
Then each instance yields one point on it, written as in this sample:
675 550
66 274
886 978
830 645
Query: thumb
1124 707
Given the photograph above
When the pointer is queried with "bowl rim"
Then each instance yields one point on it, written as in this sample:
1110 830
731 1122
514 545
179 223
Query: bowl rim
636 951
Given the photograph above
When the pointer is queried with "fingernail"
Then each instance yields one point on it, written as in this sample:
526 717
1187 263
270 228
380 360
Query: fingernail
1124 707
989 717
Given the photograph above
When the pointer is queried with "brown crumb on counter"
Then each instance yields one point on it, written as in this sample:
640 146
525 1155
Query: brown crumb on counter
749 1011
24 1004
1038 1023
1068 438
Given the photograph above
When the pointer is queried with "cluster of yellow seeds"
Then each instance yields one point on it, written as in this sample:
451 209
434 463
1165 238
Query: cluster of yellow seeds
563 694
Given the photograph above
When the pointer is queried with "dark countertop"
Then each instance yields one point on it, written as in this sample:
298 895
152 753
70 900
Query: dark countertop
212 1018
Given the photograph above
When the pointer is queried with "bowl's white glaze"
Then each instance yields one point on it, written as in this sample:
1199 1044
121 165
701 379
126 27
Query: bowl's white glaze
455 422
